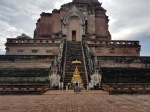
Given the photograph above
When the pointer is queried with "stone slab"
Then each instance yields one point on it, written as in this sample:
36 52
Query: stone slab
75 103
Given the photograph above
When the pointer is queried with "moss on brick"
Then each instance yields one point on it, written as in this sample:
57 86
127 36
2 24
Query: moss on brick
125 75
32 72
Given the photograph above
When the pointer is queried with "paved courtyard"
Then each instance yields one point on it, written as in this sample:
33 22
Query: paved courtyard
81 102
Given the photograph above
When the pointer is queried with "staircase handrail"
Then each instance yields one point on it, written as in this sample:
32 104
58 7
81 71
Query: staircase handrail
58 63
85 65
64 59
61 59
88 58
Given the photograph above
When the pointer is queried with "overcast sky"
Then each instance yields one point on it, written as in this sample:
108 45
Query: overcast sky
129 19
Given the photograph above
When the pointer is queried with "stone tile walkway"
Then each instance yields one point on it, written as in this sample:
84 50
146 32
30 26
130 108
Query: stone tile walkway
75 103
72 92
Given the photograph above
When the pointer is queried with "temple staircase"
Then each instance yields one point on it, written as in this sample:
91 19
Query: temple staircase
74 52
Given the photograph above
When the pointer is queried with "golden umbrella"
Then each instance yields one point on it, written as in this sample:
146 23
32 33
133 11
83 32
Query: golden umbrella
76 62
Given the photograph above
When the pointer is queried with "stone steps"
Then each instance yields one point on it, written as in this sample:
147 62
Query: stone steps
74 52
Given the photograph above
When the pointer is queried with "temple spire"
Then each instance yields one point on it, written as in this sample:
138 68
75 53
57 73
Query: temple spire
83 1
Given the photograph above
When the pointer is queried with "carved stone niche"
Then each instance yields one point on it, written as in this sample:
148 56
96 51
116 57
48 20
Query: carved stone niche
125 51
112 50
48 50
35 50
20 50
98 50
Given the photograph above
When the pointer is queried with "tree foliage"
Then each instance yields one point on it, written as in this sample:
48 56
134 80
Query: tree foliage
23 36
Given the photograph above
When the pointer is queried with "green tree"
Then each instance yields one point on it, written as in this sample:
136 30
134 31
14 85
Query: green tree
23 36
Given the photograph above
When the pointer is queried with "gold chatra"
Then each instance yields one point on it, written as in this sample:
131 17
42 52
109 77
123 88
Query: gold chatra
76 62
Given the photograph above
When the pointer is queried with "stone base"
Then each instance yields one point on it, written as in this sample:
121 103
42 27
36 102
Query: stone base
72 87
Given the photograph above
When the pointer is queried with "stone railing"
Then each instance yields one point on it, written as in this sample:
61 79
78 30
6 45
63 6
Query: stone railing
61 58
22 89
88 58
32 41
112 42
127 88
58 61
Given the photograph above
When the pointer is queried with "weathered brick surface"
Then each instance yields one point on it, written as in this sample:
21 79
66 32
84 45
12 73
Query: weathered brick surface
75 103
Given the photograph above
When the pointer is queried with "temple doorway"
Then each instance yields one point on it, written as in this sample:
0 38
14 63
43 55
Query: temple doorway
74 30
73 35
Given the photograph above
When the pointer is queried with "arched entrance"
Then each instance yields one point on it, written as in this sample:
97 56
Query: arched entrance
73 24
74 33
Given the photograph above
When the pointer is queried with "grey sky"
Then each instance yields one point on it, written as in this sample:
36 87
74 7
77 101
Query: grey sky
129 19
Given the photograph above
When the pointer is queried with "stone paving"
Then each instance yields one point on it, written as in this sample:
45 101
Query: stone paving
72 92
75 103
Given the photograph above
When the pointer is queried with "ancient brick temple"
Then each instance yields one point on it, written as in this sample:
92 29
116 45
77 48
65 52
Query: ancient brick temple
77 31
73 21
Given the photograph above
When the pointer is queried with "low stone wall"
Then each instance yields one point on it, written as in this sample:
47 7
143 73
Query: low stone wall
127 88
23 89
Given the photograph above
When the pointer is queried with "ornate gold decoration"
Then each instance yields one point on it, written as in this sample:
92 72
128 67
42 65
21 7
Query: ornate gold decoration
76 76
